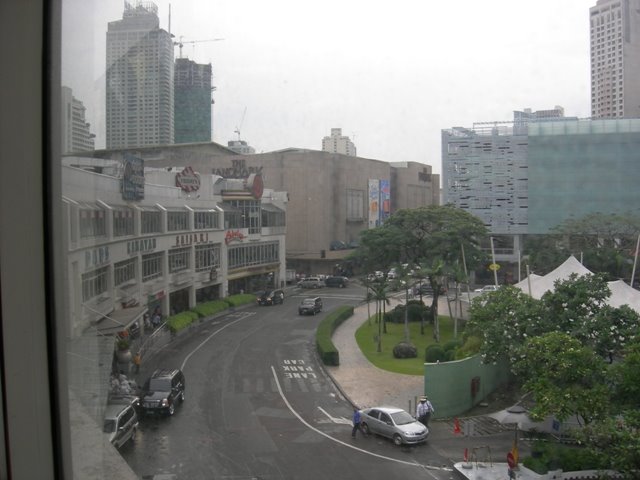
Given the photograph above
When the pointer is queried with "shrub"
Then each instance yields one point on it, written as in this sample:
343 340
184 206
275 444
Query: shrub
415 311
326 349
452 344
240 299
470 347
208 309
434 353
405 350
181 320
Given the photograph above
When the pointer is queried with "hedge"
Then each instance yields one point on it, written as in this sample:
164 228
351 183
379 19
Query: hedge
326 349
240 299
207 309
181 320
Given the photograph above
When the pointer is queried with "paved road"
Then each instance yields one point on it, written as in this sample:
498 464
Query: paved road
259 405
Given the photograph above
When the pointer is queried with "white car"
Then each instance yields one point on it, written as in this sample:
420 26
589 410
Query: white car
393 423
487 288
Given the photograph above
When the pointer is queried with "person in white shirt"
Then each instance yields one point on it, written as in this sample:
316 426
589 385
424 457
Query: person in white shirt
424 410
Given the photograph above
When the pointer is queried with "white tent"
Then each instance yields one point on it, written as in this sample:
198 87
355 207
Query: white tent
542 284
621 293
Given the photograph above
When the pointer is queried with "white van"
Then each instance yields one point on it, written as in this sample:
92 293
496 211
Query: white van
312 282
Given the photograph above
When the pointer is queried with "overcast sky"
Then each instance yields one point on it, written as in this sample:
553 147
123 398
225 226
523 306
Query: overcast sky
391 74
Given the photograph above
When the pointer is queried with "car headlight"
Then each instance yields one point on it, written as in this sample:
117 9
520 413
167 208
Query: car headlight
165 402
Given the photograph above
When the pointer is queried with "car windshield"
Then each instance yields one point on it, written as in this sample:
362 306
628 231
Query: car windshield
161 384
109 426
308 301
402 418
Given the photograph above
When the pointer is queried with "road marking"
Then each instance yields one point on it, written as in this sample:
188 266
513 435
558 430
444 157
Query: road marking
186 359
341 420
320 432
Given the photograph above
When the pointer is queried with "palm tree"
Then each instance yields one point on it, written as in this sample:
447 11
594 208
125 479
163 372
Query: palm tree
379 292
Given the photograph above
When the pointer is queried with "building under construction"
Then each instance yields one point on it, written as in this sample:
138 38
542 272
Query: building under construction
192 93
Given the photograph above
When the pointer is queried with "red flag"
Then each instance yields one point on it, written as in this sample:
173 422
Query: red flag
456 426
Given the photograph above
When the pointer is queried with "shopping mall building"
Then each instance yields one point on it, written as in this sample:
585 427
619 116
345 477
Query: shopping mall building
140 238
332 197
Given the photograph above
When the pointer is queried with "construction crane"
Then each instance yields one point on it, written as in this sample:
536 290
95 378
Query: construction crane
237 130
181 43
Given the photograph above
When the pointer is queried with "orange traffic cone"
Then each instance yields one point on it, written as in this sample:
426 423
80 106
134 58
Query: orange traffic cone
456 426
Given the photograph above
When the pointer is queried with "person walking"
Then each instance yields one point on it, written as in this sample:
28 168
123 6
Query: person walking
137 360
424 410
356 422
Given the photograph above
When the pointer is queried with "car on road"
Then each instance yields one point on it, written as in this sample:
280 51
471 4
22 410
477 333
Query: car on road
162 391
312 282
310 306
487 288
270 297
339 282
121 421
393 423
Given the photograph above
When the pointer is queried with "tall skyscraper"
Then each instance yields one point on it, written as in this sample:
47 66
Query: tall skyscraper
76 136
615 59
337 143
139 103
192 101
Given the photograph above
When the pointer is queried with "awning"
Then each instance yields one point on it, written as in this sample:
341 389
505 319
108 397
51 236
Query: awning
229 208
269 207
119 320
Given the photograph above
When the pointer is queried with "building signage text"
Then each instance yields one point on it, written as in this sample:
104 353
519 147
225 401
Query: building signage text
96 257
233 235
188 180
191 238
238 169
142 245
133 178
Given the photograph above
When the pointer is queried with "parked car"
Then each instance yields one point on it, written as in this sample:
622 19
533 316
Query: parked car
393 423
121 421
487 288
310 306
337 245
339 282
312 282
162 391
270 297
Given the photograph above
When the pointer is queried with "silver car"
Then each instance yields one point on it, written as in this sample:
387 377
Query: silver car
393 423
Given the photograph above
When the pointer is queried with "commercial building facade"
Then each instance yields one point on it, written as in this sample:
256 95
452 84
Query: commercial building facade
139 239
332 197
525 179
614 27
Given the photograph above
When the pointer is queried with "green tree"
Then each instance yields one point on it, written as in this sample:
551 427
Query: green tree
431 237
565 378
505 320
604 242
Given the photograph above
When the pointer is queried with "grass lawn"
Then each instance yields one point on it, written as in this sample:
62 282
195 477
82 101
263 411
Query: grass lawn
366 337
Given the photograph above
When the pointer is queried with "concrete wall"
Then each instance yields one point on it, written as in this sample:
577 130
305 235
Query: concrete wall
448 384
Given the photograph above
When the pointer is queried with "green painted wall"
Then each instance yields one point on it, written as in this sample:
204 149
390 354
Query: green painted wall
448 384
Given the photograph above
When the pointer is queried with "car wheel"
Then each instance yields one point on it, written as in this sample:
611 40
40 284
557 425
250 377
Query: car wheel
397 439
172 409
365 429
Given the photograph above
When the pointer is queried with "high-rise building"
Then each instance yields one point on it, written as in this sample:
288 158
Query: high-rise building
192 101
337 143
615 59
76 136
139 103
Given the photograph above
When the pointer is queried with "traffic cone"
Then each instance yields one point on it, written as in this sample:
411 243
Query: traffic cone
456 426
